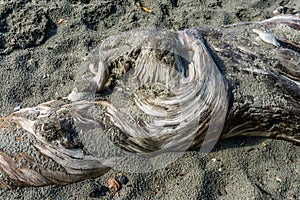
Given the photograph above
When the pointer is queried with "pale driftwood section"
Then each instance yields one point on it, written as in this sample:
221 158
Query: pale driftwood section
175 96
54 141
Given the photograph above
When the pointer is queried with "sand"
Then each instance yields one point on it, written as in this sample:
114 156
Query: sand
39 60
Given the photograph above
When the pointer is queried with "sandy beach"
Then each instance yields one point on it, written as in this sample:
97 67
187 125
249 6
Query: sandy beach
42 46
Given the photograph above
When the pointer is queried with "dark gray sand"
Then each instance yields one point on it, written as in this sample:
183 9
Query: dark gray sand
39 60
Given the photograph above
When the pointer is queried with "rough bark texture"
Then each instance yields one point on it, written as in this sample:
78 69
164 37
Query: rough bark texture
264 79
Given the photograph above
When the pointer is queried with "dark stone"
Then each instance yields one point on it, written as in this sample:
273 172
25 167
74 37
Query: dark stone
98 191
123 180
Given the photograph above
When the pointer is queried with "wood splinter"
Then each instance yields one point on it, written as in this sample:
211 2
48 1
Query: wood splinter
145 9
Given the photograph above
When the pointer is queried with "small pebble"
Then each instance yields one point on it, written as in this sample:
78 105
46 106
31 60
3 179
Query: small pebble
278 179
265 144
17 108
123 180
99 191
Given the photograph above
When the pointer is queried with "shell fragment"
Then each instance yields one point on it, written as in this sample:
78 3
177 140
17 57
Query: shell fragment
267 37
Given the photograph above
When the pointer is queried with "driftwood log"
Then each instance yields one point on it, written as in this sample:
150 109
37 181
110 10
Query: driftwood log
150 92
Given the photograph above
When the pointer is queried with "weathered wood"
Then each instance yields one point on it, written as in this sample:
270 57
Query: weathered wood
157 91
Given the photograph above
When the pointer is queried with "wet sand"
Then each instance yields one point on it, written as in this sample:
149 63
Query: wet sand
39 58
